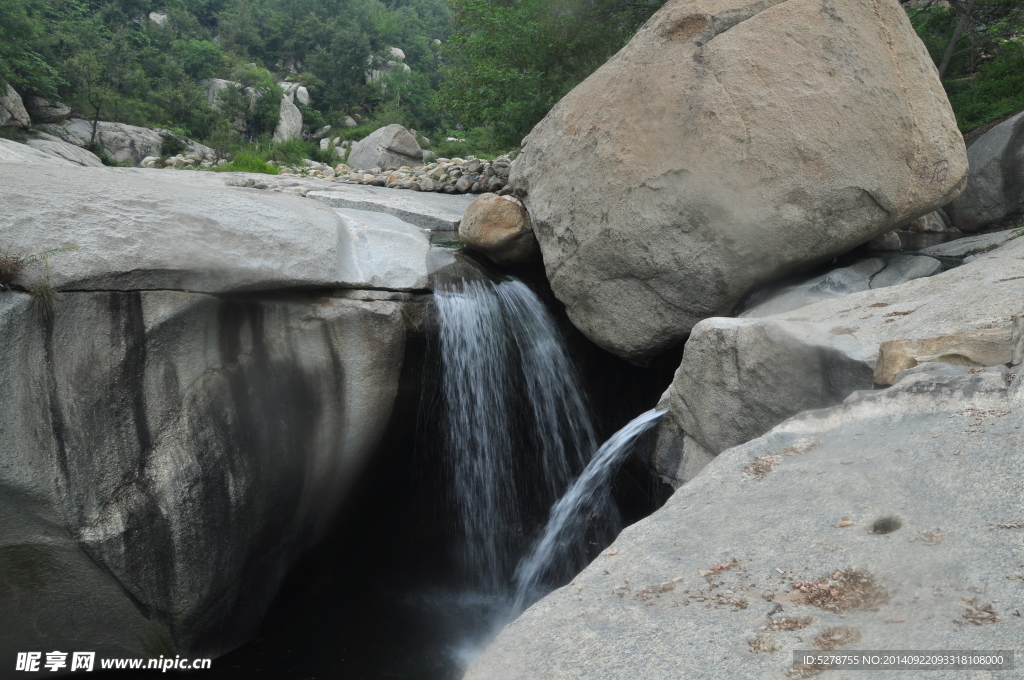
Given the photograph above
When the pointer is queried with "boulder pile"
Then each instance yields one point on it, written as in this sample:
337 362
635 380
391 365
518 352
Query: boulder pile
470 175
183 160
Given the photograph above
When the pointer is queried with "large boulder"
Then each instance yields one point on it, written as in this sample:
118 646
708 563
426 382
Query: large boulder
741 377
892 521
290 125
683 173
46 111
168 456
119 141
137 229
995 184
499 227
387 147
12 110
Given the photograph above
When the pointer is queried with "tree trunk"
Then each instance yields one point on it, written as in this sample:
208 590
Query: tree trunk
95 121
961 24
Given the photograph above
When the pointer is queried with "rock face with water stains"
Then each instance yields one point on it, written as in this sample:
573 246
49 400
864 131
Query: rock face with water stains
903 505
716 171
167 455
177 452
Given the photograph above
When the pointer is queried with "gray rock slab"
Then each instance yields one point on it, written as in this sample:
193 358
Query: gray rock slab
864 275
902 269
69 152
167 456
45 111
836 283
383 250
972 245
120 141
940 451
441 212
741 377
15 152
138 229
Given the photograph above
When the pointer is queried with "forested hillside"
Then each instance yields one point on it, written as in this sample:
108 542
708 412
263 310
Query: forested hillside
141 62
483 70
976 44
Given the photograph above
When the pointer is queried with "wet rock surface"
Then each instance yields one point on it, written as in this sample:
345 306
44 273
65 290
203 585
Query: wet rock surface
889 521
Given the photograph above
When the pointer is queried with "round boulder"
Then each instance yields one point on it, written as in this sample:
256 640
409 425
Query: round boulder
500 228
732 142
934 222
890 240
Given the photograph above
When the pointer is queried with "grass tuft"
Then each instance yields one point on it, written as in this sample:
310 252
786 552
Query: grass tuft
247 162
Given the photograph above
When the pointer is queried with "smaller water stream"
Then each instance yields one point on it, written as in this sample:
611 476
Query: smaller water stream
564 527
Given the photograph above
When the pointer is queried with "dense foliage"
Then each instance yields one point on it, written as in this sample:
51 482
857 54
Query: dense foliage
985 75
109 59
482 72
509 61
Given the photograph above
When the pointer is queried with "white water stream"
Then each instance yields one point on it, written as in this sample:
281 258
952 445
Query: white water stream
588 491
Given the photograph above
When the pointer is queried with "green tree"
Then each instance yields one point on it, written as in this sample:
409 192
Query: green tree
198 58
977 46
510 61
21 64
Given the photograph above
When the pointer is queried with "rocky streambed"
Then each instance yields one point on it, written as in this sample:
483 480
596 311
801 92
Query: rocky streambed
204 371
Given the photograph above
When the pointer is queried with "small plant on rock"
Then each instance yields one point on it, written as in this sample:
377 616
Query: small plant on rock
12 263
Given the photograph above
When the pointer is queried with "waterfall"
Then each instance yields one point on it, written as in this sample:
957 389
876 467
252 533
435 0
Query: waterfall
588 491
516 424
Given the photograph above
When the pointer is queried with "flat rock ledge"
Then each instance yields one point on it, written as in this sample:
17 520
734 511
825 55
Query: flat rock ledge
741 377
905 501
137 229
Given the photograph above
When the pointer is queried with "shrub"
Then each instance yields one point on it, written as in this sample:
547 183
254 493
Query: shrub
247 162
479 142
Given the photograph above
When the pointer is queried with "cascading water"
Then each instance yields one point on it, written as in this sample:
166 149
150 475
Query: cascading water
588 491
516 424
